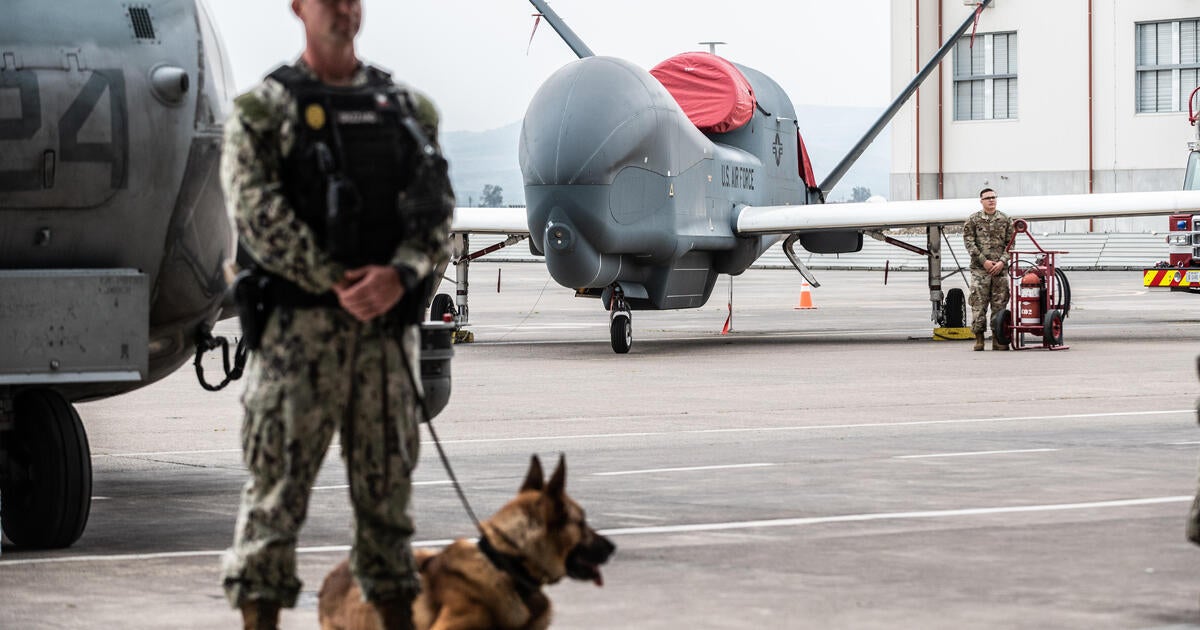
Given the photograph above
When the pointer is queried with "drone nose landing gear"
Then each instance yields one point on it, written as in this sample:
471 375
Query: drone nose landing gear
620 322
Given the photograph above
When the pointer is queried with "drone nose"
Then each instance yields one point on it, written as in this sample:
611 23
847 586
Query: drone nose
589 120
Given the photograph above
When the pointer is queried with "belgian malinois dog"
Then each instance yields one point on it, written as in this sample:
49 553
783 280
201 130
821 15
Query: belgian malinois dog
536 539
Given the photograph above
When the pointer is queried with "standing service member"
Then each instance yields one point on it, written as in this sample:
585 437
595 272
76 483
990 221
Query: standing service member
986 235
342 207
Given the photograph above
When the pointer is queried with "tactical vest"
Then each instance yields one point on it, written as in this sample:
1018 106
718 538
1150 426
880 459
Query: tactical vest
351 158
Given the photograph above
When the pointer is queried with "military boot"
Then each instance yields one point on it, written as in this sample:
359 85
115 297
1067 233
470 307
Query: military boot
978 341
395 614
997 345
260 614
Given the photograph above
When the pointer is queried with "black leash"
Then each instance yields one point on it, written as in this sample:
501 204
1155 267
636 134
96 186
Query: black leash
508 563
450 472
419 393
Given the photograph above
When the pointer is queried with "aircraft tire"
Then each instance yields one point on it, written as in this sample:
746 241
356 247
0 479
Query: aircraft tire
442 304
621 333
955 312
47 505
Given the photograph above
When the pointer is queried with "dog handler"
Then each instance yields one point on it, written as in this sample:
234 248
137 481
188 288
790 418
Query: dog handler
342 207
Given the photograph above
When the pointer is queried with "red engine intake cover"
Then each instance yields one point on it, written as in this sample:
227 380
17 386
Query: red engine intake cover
713 93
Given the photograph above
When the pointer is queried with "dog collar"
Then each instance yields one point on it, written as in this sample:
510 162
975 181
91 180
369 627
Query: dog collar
524 581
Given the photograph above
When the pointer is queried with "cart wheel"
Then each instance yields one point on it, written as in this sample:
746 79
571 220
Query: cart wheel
954 315
1052 329
1002 326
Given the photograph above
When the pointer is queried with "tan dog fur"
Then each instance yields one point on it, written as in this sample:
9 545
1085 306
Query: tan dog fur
543 530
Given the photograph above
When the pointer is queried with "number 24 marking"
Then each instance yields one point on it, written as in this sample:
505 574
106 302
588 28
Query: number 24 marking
115 152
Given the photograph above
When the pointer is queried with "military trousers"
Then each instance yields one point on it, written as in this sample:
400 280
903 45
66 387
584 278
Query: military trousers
319 371
1193 520
986 291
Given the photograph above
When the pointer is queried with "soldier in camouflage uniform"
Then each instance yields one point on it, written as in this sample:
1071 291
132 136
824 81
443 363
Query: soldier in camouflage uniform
333 355
986 235
1193 521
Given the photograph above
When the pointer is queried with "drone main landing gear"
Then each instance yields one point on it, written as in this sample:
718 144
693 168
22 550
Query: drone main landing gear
45 470
456 307
620 323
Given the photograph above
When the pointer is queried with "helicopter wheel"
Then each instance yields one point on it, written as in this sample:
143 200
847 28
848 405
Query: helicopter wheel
47 490
621 332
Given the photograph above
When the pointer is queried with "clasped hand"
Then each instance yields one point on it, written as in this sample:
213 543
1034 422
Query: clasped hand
370 291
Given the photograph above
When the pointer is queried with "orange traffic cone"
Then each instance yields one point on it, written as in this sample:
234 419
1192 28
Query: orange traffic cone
805 298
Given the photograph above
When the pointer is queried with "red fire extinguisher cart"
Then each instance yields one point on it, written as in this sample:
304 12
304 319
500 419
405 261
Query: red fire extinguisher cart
1039 296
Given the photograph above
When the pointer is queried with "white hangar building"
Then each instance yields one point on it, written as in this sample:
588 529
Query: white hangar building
1068 96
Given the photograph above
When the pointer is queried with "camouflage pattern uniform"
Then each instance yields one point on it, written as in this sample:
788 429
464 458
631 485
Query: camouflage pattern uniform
986 238
318 370
1193 522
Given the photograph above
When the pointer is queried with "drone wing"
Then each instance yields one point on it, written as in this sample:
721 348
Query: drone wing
894 214
490 221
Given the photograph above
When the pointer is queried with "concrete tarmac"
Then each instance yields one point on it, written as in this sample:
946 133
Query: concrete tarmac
823 468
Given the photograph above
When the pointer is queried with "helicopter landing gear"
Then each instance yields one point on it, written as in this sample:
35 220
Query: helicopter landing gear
620 323
46 474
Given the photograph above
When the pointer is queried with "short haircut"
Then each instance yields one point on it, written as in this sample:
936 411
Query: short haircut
985 190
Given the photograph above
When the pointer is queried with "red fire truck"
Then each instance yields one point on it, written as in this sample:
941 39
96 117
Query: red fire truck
1182 271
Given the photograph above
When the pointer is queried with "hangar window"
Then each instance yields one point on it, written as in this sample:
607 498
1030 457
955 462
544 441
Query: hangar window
1168 65
985 77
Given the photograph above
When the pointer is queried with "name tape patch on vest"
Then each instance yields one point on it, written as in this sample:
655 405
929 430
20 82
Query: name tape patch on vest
366 117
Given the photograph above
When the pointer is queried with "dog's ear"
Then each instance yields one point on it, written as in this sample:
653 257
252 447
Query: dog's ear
535 477
557 488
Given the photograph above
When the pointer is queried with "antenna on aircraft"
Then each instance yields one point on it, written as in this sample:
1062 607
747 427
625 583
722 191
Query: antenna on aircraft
576 44
838 171
712 46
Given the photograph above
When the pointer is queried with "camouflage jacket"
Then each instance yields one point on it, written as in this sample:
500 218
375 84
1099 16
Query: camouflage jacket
987 237
258 134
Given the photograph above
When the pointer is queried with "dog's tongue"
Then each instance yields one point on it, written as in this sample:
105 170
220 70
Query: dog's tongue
599 579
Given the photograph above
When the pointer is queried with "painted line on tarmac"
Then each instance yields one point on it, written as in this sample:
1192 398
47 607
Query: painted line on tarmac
814 427
888 516
159 453
167 555
673 529
683 469
444 482
715 336
969 453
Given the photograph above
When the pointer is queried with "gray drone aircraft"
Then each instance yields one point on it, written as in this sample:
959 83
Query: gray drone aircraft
639 195
113 231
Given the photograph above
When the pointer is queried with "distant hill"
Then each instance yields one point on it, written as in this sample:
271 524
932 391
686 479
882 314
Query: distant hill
478 158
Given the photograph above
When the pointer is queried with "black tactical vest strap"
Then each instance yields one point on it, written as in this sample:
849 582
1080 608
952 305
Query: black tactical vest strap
351 158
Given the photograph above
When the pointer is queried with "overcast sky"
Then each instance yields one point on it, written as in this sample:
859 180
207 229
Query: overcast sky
470 55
